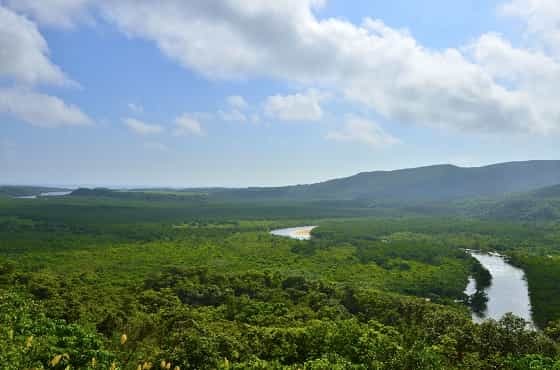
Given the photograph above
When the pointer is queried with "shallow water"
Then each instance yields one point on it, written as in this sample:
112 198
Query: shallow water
508 292
47 194
299 233
55 194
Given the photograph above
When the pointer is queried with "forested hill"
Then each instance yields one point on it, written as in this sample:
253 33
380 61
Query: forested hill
432 183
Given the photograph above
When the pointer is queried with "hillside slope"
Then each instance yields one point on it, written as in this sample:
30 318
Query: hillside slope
423 184
538 205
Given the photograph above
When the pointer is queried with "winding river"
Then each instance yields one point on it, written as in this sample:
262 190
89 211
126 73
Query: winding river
508 291
300 233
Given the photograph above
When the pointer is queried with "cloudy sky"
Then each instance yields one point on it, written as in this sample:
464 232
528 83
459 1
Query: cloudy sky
254 92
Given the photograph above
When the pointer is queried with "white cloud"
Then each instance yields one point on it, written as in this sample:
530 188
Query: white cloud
61 13
201 34
142 128
135 108
542 19
237 102
297 107
237 105
40 109
24 60
370 63
535 74
24 52
383 68
187 125
503 61
362 131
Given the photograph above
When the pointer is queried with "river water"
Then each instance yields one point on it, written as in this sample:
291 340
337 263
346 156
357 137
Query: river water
300 233
47 194
508 291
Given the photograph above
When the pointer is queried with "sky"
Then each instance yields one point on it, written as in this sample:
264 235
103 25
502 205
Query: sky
189 93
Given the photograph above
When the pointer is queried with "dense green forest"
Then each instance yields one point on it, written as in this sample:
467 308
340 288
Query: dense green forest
105 279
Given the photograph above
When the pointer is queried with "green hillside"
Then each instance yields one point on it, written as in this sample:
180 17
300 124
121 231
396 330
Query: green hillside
537 205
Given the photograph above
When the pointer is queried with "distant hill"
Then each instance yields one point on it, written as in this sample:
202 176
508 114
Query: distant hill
423 184
140 195
537 205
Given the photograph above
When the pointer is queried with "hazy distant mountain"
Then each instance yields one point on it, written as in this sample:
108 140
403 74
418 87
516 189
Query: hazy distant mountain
548 192
423 184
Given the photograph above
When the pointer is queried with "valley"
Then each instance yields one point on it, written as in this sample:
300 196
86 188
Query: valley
202 283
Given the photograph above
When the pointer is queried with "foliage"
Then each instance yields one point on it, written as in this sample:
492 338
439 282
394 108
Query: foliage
198 284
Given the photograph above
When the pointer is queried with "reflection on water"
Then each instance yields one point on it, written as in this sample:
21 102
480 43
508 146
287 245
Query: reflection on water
508 292
471 286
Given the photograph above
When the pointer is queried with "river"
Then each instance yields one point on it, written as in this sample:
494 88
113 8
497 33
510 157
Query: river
47 194
508 291
300 233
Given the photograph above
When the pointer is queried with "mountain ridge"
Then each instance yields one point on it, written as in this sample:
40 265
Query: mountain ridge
420 184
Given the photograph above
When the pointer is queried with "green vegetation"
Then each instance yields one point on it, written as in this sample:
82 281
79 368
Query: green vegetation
201 284
543 275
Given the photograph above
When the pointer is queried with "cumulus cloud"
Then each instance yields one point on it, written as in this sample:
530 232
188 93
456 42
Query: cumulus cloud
535 74
504 61
237 105
59 13
362 131
142 128
237 102
24 61
381 67
24 52
542 20
385 69
297 107
40 109
187 125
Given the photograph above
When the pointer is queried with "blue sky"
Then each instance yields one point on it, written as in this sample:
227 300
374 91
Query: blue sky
237 93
